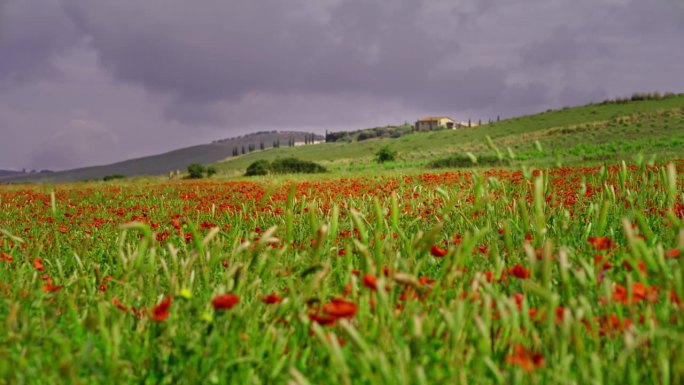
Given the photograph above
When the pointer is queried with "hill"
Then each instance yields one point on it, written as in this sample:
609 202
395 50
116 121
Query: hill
8 172
162 164
610 130
604 131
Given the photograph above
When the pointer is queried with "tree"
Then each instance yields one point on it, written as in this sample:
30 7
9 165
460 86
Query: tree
385 154
195 171
211 170
260 167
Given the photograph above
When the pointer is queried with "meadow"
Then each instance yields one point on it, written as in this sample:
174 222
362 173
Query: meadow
520 275
594 133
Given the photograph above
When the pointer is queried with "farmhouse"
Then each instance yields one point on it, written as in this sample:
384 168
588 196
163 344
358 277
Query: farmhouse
435 123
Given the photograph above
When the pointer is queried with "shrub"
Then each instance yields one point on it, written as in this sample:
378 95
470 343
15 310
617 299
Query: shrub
211 170
284 166
195 171
113 177
294 165
385 154
260 167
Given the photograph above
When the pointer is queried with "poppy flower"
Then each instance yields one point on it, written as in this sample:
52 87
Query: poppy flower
673 253
161 311
601 243
271 299
119 305
525 359
322 319
38 264
519 271
370 281
340 308
5 257
225 301
640 292
49 287
437 251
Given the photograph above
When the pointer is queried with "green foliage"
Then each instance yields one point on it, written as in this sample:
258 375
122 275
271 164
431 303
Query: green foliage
284 166
385 154
198 171
295 165
260 167
195 171
113 177
369 133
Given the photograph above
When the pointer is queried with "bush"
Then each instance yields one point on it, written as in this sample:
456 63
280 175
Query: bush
260 167
284 166
385 154
211 170
113 177
195 171
294 165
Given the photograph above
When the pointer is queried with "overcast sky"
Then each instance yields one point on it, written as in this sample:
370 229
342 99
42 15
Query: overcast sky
85 82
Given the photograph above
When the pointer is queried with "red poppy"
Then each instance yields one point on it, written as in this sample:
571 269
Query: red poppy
5 257
601 243
119 305
49 287
518 298
225 301
640 292
38 264
271 299
161 311
339 308
370 281
322 319
519 271
437 251
673 253
525 359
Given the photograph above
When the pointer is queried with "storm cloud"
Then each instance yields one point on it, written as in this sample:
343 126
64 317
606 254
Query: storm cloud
86 82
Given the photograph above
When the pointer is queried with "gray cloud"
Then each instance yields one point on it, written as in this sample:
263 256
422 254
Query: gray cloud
32 32
150 76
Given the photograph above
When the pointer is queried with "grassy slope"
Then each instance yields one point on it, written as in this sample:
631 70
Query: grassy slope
160 164
592 132
8 172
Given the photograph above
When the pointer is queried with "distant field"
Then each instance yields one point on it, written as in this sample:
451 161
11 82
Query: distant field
575 135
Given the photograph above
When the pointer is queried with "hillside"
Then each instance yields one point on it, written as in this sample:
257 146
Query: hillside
162 164
8 172
591 133
596 132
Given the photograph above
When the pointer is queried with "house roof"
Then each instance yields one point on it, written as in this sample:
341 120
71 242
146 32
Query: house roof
433 118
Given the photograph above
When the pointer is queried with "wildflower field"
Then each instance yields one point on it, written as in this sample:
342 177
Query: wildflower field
561 275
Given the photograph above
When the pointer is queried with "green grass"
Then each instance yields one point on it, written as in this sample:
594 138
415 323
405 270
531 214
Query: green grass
527 274
609 131
518 293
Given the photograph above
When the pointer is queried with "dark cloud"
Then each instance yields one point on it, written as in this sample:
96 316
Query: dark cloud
32 32
86 82
224 50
